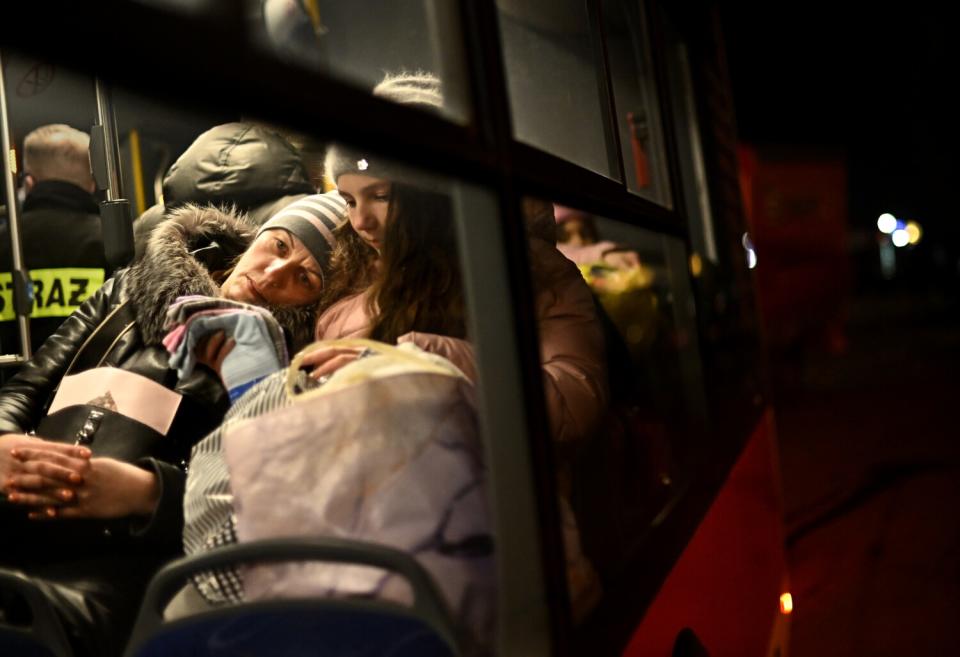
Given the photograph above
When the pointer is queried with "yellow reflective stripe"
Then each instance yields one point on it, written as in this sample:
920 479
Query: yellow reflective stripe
57 292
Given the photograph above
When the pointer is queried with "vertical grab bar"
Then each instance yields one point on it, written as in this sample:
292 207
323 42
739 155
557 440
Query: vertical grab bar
22 287
115 220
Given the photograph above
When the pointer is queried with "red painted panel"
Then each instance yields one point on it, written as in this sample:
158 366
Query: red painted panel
796 209
726 585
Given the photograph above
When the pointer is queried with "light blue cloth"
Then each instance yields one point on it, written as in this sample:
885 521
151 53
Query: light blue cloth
253 358
187 307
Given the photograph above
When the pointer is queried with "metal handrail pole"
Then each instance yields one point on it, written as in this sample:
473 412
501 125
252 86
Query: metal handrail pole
13 219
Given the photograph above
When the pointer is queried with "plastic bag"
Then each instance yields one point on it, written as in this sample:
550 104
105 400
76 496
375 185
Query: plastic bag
387 451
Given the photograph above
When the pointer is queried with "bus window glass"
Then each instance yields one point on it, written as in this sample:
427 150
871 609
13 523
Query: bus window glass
551 66
622 383
387 415
693 183
637 104
357 42
720 261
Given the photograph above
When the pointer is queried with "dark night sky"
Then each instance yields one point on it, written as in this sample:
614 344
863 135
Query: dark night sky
877 83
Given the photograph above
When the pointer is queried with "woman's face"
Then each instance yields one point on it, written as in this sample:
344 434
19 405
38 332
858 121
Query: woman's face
574 231
368 203
275 270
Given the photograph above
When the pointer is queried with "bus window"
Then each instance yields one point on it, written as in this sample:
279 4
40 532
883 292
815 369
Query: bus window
637 105
416 474
358 42
622 383
722 252
696 195
552 82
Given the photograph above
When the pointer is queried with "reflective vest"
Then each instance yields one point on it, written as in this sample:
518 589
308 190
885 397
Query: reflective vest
57 292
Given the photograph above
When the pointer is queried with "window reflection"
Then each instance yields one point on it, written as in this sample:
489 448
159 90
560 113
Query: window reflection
621 382
357 42
635 95
690 150
724 289
552 80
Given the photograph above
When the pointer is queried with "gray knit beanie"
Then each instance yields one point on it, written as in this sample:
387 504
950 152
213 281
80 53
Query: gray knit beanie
420 89
312 220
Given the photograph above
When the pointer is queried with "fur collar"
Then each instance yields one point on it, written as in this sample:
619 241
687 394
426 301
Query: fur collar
167 270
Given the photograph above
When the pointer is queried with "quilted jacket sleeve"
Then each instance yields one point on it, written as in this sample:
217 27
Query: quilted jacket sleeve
457 351
572 349
164 526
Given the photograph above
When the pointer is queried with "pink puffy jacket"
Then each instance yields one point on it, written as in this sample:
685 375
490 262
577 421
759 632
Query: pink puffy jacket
571 342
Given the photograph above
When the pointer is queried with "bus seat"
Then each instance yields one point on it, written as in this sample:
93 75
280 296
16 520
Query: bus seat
39 633
314 627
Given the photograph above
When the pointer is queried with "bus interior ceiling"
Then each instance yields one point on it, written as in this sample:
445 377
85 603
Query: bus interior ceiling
42 92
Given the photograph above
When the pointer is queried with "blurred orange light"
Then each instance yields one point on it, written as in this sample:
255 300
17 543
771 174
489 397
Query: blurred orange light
914 232
786 603
696 265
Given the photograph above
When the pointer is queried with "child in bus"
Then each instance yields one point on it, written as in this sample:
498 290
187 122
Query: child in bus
132 512
397 306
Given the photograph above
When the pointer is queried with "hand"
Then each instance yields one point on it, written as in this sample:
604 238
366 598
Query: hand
622 259
457 350
111 489
213 349
35 471
328 360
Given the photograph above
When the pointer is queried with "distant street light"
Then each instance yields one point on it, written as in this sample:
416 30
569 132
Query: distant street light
900 237
914 232
886 223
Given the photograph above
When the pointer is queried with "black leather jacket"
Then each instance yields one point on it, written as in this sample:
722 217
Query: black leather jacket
150 286
24 400
96 574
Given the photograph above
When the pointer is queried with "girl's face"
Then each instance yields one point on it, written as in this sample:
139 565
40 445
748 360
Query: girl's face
574 232
368 203
277 270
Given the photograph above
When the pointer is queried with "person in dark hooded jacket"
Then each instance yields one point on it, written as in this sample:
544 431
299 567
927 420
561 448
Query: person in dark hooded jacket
247 166
59 233
112 523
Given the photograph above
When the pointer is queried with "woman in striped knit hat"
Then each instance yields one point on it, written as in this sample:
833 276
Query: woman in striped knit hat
130 509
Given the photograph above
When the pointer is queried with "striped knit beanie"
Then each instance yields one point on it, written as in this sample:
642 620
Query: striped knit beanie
312 220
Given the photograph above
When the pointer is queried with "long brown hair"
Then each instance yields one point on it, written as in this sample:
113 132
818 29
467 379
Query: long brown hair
352 266
419 286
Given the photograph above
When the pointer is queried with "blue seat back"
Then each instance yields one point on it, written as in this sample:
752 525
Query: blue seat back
299 627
